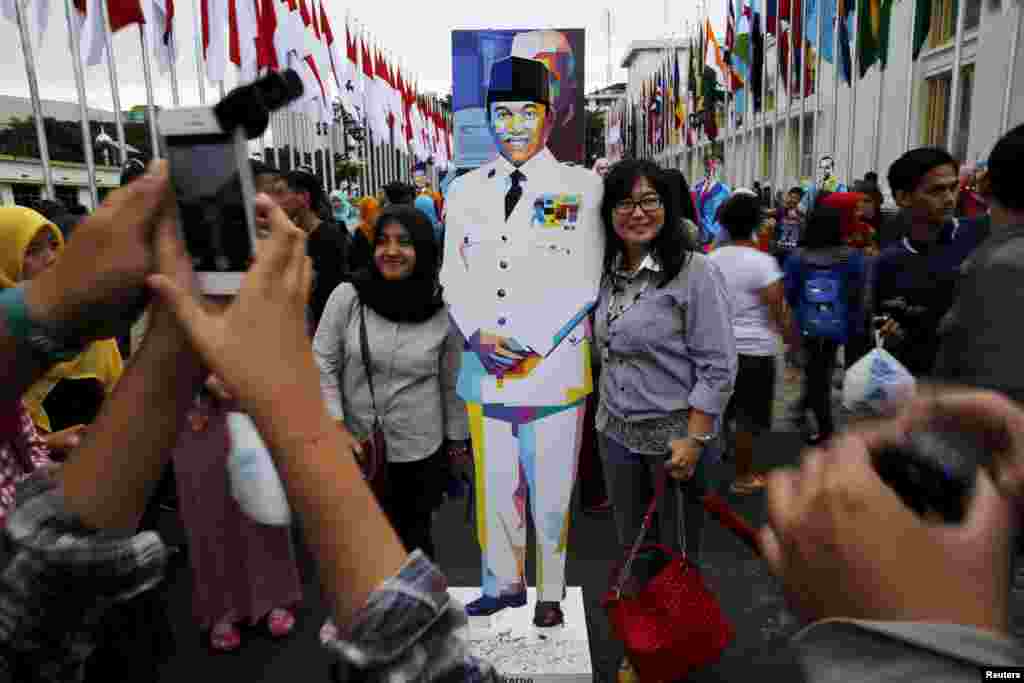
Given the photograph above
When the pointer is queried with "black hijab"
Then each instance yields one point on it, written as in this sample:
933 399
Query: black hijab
417 298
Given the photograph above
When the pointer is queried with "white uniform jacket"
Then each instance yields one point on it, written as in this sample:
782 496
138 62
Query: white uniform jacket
531 279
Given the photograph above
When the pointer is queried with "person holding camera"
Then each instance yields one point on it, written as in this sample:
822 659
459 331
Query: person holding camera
388 355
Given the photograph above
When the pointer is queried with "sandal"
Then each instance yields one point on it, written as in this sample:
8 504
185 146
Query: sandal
280 622
225 637
748 485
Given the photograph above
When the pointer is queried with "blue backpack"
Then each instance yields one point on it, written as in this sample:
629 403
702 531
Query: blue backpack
824 309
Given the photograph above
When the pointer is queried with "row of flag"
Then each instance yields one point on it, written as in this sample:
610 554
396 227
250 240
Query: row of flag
658 116
256 36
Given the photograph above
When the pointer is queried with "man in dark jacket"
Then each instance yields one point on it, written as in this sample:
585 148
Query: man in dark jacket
980 335
914 277
301 196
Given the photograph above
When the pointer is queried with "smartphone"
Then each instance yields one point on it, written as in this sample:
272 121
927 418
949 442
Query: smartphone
213 187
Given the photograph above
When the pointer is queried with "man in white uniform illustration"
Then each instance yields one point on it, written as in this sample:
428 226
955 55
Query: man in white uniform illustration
522 267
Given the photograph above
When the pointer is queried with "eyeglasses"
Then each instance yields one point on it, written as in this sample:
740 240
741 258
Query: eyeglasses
647 204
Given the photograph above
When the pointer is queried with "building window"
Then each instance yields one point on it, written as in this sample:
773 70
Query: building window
936 110
807 162
943 22
972 15
964 120
25 195
939 91
768 154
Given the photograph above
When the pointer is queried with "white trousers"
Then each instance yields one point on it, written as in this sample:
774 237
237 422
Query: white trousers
541 457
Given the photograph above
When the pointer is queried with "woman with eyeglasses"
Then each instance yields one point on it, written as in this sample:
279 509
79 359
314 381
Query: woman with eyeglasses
663 324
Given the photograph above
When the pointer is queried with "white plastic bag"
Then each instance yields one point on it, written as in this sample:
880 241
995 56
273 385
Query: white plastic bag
255 483
877 384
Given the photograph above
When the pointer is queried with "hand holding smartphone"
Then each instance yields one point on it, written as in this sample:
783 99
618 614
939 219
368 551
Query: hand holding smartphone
213 186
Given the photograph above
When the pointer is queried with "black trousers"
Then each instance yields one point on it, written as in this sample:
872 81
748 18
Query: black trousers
415 490
821 364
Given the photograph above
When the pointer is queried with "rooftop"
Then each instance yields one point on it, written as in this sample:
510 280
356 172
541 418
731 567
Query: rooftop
638 46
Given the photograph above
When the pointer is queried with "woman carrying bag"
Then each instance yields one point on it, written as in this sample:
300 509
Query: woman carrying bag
392 321
663 324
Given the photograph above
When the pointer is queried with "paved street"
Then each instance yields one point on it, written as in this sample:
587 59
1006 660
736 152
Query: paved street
749 595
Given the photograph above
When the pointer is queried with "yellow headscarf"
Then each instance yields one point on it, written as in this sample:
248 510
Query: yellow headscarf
19 226
100 361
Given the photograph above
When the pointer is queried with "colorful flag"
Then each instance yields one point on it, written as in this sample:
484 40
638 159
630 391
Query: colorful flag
874 17
922 24
756 79
844 10
680 106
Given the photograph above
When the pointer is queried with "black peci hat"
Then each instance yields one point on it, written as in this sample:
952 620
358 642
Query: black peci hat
515 79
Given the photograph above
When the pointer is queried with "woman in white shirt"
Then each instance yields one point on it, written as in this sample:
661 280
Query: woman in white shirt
755 284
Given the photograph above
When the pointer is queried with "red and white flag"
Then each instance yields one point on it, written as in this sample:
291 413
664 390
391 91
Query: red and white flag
243 32
91 31
352 80
333 49
160 26
215 33
266 18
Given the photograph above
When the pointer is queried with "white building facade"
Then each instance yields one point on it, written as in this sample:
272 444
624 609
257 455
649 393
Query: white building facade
866 126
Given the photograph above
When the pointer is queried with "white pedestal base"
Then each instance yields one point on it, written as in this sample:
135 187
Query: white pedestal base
523 653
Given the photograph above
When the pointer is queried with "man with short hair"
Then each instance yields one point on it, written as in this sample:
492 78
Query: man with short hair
914 278
789 225
979 336
301 196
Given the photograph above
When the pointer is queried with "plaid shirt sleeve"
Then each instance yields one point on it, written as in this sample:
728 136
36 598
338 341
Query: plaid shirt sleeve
58 580
410 630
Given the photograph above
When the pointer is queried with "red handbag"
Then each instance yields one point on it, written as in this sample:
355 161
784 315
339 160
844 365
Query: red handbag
673 624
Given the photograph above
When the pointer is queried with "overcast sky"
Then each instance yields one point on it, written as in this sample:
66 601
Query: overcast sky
418 34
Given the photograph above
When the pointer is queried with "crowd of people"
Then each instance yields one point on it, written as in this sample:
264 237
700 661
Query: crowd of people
120 379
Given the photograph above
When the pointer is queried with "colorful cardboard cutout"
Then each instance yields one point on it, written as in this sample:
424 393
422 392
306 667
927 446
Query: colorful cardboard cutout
710 193
824 182
522 268
473 55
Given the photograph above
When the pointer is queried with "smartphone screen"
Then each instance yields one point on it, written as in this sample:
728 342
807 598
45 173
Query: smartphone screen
212 209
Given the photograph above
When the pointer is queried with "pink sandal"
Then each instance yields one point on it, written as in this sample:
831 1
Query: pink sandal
280 622
225 637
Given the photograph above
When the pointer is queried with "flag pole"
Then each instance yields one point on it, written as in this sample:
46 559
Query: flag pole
789 92
1004 123
83 107
114 86
150 105
200 70
37 105
910 79
854 77
835 80
802 85
820 37
954 101
173 54
880 106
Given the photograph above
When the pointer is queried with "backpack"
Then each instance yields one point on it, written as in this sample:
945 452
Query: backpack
824 307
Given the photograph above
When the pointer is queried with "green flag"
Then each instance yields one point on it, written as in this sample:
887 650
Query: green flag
873 20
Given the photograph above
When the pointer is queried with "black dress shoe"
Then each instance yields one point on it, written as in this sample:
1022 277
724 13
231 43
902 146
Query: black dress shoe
548 615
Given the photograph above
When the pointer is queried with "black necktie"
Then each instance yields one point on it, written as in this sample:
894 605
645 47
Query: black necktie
515 193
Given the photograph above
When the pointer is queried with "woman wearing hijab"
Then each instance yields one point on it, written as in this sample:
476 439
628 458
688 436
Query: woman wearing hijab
343 212
29 244
360 251
68 397
425 204
415 356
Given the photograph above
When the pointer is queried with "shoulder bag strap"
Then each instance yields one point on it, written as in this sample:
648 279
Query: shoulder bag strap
367 361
